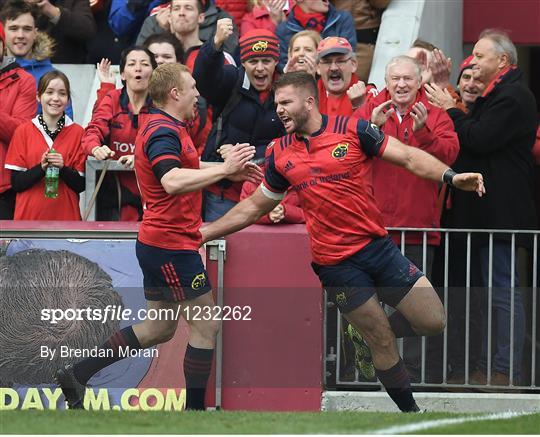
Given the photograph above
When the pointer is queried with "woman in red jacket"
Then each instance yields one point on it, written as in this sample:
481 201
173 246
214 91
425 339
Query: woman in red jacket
49 140
111 134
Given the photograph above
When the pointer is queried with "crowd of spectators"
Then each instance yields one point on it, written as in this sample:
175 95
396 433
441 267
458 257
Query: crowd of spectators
235 50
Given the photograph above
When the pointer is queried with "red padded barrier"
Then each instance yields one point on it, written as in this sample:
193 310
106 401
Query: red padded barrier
274 361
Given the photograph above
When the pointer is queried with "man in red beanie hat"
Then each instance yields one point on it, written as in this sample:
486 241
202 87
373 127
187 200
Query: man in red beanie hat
259 52
243 102
19 104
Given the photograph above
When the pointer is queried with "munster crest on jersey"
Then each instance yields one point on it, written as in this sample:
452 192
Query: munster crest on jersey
340 151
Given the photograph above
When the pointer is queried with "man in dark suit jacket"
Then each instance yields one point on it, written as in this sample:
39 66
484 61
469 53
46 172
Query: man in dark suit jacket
496 139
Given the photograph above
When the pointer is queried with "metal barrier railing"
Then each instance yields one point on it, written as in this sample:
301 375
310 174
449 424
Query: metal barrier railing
333 339
480 249
92 167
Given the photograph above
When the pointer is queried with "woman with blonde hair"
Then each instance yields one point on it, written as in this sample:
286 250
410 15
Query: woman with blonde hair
303 52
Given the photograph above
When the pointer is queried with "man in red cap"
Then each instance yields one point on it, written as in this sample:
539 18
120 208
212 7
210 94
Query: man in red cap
336 65
243 102
469 88
19 104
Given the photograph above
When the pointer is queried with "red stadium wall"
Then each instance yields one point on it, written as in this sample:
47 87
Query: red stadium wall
520 17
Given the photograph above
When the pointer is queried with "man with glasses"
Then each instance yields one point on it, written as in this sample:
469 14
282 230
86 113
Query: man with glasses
336 66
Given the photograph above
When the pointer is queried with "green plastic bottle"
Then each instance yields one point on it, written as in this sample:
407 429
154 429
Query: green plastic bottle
51 180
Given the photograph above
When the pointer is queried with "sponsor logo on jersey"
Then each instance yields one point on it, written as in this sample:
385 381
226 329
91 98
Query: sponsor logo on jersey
340 151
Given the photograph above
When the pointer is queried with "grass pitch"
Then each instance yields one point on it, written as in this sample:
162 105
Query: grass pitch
226 422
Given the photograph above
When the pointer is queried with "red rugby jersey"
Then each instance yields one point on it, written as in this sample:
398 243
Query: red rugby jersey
169 221
28 144
331 172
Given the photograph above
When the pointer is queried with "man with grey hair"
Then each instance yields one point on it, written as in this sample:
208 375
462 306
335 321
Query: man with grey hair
405 200
403 111
496 138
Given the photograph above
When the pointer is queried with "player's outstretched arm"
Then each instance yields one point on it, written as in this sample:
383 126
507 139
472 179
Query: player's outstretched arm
426 166
186 180
247 212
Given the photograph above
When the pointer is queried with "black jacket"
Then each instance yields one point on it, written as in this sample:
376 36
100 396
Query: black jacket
250 121
75 26
496 139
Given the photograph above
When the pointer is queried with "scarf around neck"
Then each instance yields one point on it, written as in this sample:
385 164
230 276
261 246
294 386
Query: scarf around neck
311 21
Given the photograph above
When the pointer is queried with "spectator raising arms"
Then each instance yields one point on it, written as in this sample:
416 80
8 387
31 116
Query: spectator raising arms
49 140
336 64
303 52
264 14
497 136
18 97
159 21
243 102
402 110
443 95
112 131
70 23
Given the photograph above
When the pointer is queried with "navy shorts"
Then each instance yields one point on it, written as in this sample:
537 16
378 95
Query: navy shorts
377 268
172 275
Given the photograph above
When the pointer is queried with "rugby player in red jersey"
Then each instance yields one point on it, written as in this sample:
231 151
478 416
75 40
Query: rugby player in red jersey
328 162
170 179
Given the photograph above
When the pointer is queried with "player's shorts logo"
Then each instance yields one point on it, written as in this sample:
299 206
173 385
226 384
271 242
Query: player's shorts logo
340 151
199 281
341 299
